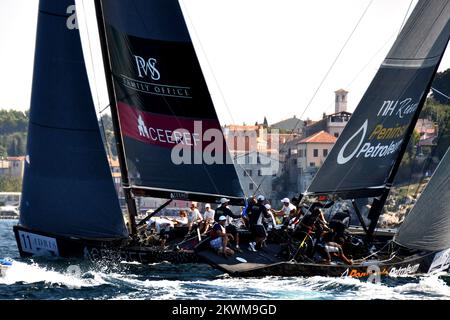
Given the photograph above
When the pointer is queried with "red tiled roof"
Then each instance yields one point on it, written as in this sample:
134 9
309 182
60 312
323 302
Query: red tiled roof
319 137
16 158
236 127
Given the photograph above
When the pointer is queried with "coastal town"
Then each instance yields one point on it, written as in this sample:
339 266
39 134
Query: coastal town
276 160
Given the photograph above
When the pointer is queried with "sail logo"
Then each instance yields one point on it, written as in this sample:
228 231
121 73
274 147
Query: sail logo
143 131
398 108
440 262
369 150
166 136
147 68
72 22
341 159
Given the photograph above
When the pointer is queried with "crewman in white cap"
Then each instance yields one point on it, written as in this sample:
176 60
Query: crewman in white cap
208 218
286 211
220 237
224 210
194 216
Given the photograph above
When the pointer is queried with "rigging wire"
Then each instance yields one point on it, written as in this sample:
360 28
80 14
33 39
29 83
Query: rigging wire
406 16
441 93
188 17
334 62
373 56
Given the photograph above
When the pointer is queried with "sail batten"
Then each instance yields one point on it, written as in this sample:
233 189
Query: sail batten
164 109
369 149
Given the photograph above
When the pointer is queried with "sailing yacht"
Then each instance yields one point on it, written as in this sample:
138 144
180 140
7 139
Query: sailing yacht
363 164
158 99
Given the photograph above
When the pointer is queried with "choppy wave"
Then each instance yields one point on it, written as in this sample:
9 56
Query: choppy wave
135 281
62 279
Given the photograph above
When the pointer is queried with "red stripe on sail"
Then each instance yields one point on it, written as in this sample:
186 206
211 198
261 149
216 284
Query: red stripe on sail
163 130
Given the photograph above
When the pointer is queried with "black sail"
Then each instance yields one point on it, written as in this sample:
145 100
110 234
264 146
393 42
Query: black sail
67 185
362 161
427 226
163 103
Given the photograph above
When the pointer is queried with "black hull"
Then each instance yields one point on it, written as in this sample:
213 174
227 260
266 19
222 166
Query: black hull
259 264
267 262
409 266
35 243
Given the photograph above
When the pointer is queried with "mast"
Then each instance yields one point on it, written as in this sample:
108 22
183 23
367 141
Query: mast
378 203
131 204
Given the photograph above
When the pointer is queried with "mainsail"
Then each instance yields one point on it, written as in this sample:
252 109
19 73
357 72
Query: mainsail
368 152
163 105
427 226
67 185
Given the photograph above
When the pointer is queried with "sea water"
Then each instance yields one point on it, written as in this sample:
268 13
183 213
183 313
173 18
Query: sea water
75 279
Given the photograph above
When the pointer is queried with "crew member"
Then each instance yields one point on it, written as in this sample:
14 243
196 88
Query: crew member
224 210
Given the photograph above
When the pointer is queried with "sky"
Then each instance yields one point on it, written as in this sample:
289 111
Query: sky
259 57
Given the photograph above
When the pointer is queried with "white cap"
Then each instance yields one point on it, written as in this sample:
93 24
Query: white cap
224 200
286 200
194 203
222 218
207 205
268 206
261 198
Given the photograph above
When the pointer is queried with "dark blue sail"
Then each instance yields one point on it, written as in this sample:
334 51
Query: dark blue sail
67 186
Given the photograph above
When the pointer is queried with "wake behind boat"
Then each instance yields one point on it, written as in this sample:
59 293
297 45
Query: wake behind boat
4 266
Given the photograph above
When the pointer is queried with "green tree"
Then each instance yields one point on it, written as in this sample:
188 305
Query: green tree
440 114
107 131
10 184
13 132
442 83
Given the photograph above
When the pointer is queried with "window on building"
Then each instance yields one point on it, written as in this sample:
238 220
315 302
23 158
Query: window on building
316 153
247 143
312 164
325 152
295 161
245 173
250 186
336 135
259 173
250 173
